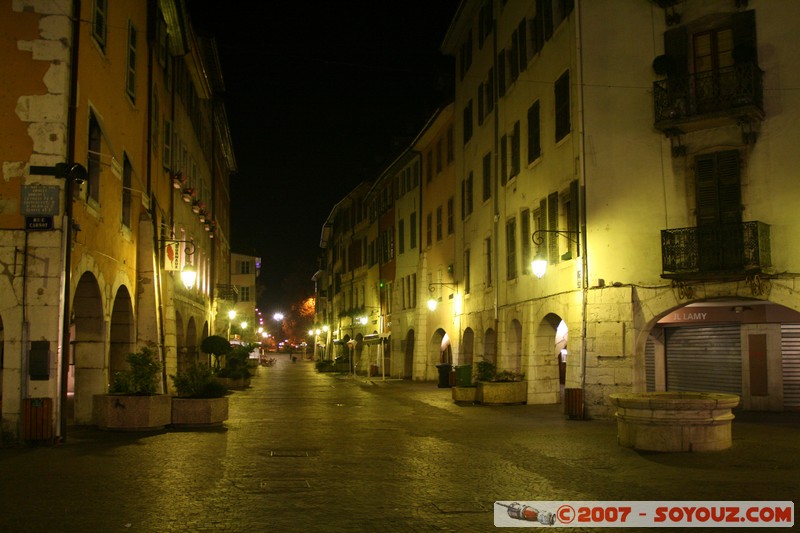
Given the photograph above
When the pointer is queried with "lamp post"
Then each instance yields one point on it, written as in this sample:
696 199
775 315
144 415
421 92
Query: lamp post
231 316
188 272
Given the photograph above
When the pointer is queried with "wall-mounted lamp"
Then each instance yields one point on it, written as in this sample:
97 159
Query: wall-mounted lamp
539 263
433 302
188 272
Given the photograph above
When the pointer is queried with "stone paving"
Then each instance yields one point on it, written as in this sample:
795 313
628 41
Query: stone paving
304 451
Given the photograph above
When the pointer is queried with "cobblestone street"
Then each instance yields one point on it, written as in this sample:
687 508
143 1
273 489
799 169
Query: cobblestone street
304 451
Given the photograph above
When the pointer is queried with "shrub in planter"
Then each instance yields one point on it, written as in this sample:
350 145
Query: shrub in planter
235 374
504 387
324 365
216 346
133 402
201 401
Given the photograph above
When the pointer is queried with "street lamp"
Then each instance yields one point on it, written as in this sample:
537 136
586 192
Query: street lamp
433 302
231 316
188 272
539 263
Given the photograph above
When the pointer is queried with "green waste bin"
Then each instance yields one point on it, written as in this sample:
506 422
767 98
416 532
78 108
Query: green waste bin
463 375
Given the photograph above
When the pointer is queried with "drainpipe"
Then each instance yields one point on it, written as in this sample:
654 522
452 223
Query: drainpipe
582 200
66 224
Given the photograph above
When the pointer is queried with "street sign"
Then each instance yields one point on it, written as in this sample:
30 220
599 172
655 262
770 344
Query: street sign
38 223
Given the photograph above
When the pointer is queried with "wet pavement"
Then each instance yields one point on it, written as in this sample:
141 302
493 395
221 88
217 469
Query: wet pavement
304 451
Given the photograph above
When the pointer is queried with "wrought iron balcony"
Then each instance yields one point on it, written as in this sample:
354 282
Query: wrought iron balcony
726 96
715 251
227 292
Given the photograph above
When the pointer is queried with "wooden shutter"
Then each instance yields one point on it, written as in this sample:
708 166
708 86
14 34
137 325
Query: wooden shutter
744 36
552 224
676 44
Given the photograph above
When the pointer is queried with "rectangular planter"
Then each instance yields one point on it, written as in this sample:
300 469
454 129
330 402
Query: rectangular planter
465 394
199 412
234 384
502 392
132 413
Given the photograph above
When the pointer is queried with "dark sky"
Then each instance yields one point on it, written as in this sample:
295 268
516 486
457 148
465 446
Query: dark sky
320 96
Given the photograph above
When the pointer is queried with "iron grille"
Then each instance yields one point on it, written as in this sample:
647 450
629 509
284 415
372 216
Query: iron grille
724 89
730 248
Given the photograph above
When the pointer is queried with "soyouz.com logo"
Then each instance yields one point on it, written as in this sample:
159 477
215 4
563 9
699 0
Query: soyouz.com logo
643 514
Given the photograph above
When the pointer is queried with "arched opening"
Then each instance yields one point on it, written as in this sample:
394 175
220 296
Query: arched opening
740 346
408 358
514 358
490 346
88 367
468 347
121 335
180 342
440 353
545 367
191 342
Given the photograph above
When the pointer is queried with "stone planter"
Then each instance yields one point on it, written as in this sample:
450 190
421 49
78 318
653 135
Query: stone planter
502 392
235 383
465 394
199 412
132 413
674 421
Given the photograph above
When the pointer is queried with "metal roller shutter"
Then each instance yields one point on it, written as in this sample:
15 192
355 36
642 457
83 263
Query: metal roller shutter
704 359
790 351
650 364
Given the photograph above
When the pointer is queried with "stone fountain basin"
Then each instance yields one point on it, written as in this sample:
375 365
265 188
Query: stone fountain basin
674 421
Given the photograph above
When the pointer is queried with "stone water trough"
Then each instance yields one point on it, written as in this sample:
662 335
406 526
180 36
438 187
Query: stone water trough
674 421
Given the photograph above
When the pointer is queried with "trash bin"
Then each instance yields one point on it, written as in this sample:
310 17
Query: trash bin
463 375
444 375
573 404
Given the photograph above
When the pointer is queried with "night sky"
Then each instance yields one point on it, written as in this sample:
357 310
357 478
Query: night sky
320 97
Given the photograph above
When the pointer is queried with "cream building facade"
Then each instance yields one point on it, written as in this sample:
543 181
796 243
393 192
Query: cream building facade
641 152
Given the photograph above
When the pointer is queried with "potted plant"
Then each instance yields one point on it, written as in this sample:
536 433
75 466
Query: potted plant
235 374
201 399
324 365
216 346
133 402
504 387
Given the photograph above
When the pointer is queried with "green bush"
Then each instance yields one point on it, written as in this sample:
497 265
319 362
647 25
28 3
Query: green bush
216 346
484 371
324 365
198 381
141 378
236 364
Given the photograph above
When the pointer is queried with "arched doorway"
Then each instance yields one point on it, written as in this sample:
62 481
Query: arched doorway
514 346
121 334
468 347
490 346
191 342
88 362
408 358
544 367
440 353
180 342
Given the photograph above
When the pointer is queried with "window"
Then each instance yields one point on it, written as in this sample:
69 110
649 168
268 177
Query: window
451 226
127 174
485 22
451 153
429 230
412 226
525 240
465 57
487 176
244 267
487 248
513 57
489 88
439 156
511 249
466 197
466 272
429 167
501 74
100 23
95 150
562 106
514 170
130 82
401 236
439 223
503 159
468 122
534 140
569 207
166 152
244 293
522 37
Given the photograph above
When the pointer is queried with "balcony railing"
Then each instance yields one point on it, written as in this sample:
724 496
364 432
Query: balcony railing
227 292
709 99
716 250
